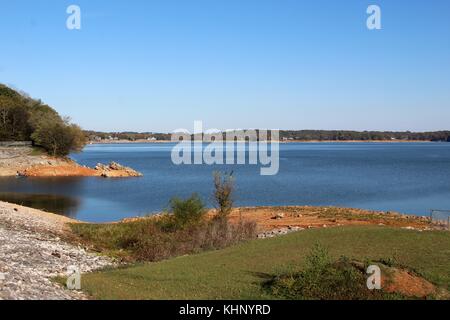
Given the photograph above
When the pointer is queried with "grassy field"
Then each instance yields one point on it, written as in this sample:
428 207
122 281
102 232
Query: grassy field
239 271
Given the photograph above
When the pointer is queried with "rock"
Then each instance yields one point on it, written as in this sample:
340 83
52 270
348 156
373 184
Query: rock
115 170
116 166
279 232
293 229
393 213
278 216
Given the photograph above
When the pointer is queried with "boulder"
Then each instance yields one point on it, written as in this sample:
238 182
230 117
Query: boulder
116 170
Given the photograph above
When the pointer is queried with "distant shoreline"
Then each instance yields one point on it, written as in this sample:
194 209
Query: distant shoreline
282 142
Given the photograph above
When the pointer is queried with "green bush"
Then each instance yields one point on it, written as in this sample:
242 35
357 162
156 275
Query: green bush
324 279
187 212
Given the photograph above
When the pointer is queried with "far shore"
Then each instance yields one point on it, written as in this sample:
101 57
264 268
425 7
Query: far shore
282 142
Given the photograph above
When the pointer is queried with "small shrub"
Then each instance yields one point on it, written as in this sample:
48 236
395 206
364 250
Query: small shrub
223 193
322 279
187 212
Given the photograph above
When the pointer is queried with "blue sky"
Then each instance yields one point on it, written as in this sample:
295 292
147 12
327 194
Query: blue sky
159 65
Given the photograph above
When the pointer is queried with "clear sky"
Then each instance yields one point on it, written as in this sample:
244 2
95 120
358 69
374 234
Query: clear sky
158 65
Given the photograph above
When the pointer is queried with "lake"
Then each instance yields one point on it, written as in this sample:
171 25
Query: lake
405 177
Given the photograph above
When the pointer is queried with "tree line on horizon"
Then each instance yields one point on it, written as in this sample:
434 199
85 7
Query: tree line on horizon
25 119
295 135
343 135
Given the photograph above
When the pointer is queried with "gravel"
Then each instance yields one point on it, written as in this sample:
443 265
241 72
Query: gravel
32 253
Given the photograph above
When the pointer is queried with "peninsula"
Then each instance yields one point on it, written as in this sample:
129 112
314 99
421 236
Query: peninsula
35 141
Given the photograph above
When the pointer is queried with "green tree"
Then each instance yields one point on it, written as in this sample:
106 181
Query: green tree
13 119
24 118
59 139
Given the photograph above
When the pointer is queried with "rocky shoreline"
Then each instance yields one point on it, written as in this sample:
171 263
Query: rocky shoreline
72 169
20 161
33 252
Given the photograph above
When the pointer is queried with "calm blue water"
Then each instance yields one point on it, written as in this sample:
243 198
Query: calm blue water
410 178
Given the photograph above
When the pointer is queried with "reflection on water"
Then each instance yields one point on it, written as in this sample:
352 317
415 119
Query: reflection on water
57 195
66 206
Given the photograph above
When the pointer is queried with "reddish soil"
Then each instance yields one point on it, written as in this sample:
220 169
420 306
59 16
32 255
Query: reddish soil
408 284
72 169
270 218
69 170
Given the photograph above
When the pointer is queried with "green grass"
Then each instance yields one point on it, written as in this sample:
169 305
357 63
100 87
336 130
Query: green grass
238 272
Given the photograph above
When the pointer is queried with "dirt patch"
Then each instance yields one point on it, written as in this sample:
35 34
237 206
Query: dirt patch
407 284
306 217
65 170
278 221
